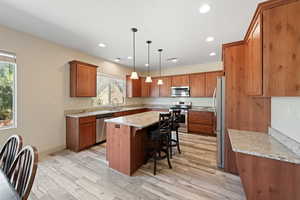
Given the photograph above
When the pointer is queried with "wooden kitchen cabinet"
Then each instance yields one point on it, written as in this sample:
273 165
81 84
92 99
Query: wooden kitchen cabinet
211 82
154 88
254 72
201 122
281 50
145 88
83 79
81 132
133 87
197 85
180 80
165 89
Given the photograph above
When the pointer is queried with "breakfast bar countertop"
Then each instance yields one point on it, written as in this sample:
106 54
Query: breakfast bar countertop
261 145
140 120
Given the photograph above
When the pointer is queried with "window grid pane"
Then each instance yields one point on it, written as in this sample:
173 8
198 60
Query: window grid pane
7 94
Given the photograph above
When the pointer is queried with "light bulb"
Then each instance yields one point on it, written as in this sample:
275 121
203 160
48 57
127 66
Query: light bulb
134 75
160 82
148 79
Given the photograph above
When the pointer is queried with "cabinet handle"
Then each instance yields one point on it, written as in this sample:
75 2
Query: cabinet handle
117 126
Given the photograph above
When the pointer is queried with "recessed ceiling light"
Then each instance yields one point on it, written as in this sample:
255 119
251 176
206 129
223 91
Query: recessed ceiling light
205 8
102 45
173 60
117 59
209 39
146 65
129 57
212 54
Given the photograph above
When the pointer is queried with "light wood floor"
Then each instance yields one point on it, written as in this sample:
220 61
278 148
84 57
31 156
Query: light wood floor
85 176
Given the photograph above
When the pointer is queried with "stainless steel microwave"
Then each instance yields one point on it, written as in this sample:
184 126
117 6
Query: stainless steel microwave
180 91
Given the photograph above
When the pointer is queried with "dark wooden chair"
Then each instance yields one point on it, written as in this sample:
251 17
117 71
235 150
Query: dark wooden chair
160 139
9 151
176 114
22 172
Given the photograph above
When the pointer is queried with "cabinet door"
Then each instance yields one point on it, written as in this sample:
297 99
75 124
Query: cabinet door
87 135
165 89
154 88
197 85
211 82
181 80
145 88
86 81
254 60
281 50
133 87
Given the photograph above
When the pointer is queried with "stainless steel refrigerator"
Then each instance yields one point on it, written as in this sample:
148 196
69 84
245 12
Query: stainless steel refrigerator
219 104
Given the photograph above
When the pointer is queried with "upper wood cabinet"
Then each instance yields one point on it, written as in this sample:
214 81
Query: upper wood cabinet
180 80
254 72
145 88
133 87
197 85
211 82
154 88
83 79
165 89
281 50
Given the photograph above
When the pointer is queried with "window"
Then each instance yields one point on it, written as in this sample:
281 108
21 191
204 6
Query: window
110 90
7 90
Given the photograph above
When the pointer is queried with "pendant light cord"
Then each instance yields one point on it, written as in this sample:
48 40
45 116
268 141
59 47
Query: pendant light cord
160 50
148 58
133 50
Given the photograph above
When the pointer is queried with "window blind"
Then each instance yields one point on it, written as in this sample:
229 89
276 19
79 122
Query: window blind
7 56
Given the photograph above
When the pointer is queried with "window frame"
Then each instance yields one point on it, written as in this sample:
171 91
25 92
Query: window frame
100 74
15 92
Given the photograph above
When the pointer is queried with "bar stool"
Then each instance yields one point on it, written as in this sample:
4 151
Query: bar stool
160 139
175 127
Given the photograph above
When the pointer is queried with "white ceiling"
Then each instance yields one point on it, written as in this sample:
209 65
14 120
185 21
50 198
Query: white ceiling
174 25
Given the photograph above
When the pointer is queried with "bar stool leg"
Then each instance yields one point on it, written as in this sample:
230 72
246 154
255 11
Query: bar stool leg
177 138
170 144
168 157
154 157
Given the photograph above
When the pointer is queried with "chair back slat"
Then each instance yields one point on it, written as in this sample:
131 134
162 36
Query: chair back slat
165 122
22 172
9 151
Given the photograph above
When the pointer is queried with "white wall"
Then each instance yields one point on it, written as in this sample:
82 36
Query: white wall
286 116
43 87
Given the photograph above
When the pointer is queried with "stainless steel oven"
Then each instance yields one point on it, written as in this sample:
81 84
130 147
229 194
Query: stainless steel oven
183 91
184 110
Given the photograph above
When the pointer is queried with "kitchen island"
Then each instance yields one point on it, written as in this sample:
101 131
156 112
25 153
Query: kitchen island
126 139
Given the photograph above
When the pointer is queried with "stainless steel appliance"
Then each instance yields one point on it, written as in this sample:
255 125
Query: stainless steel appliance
180 91
184 108
219 105
101 127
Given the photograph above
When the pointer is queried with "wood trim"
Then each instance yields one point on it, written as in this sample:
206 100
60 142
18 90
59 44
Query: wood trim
264 6
82 63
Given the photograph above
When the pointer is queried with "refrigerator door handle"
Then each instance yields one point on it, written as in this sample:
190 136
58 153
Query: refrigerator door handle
214 101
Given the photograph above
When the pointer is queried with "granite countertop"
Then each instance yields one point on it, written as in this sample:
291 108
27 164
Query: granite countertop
140 120
262 145
101 112
122 109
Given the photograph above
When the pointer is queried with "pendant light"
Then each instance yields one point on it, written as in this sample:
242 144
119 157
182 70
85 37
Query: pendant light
134 74
148 78
160 81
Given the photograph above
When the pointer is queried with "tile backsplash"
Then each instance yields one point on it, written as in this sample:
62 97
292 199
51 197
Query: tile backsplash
168 101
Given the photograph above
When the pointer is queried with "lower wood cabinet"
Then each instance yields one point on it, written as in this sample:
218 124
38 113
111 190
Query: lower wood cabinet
201 122
81 133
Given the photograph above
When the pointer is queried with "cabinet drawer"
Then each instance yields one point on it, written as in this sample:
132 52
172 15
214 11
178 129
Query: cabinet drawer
201 128
201 117
84 120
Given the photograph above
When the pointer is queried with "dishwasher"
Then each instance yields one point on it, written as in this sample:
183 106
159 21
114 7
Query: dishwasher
101 127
